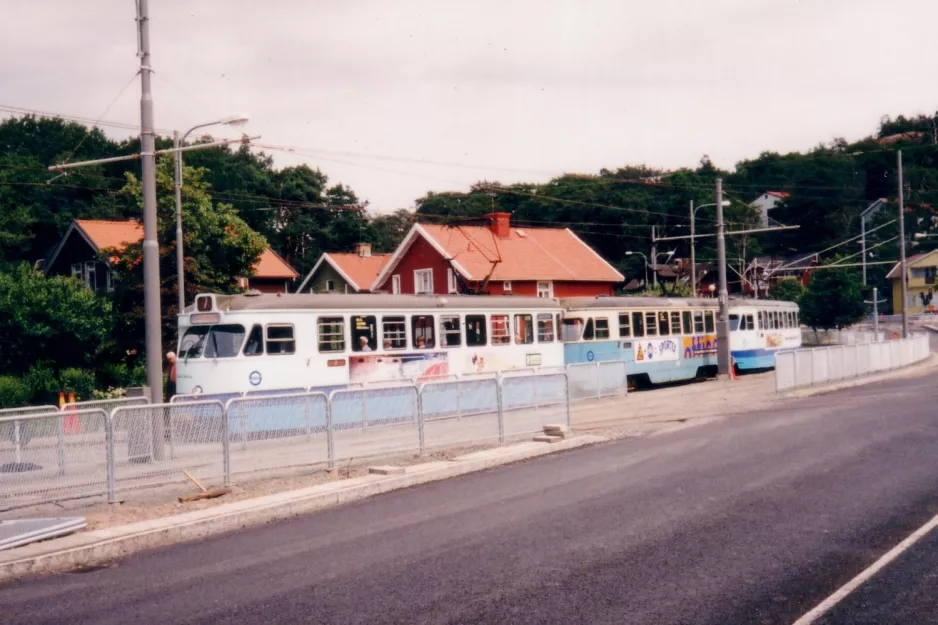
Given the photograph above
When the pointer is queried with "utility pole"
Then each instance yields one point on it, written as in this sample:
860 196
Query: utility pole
654 260
693 259
876 302
723 322
905 278
180 271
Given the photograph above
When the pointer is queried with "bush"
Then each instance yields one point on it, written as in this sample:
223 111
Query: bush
14 392
43 384
77 381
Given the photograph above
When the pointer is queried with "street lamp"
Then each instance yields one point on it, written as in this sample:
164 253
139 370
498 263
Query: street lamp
234 120
693 259
630 253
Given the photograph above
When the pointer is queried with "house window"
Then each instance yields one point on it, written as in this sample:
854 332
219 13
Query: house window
545 328
501 332
930 275
364 333
76 271
451 286
506 286
524 329
111 278
331 334
394 333
396 285
475 330
545 289
422 331
423 281
330 285
91 275
280 339
450 334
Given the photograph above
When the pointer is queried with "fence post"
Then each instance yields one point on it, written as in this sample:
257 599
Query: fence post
226 443
17 451
60 432
330 444
242 413
566 384
501 410
421 435
111 469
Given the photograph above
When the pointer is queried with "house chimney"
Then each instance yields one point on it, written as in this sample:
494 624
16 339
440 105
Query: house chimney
363 250
500 223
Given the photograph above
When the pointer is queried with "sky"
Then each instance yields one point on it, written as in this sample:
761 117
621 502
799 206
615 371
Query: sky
398 98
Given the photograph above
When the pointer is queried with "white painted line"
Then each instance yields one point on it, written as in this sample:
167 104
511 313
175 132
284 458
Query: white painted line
869 572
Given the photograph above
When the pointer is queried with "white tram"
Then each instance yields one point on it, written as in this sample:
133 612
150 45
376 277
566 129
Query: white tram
234 343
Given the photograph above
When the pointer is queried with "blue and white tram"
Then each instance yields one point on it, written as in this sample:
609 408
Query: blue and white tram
256 342
759 329
661 339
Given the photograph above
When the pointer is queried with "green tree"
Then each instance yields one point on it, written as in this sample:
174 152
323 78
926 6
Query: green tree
49 320
219 248
787 290
833 299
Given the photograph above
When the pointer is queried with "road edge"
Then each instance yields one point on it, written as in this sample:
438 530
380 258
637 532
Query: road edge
99 547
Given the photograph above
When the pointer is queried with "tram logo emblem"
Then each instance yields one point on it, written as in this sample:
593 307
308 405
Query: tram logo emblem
255 378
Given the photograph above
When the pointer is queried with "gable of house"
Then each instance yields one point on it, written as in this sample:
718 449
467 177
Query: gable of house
355 270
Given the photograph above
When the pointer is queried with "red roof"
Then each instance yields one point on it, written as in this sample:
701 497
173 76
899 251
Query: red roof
361 271
525 254
117 234
779 194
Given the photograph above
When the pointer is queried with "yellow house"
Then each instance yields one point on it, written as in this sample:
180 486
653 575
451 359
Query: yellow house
923 269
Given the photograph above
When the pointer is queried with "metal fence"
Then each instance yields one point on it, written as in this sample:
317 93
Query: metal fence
839 337
51 455
820 365
594 380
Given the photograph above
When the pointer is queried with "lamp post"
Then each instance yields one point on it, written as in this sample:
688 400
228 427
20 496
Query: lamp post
177 141
693 258
630 253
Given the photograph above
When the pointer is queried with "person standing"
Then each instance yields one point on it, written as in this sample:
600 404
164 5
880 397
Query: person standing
171 376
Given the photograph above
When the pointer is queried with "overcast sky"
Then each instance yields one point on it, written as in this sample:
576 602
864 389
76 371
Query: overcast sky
486 89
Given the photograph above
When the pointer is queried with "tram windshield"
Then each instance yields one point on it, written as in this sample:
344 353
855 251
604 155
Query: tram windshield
219 341
571 330
734 323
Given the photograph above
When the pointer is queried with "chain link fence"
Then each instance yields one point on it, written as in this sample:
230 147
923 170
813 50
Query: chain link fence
595 380
821 365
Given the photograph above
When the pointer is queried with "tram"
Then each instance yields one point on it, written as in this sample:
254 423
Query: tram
257 342
672 339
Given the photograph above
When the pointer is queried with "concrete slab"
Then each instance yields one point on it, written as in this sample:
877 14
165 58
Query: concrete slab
387 470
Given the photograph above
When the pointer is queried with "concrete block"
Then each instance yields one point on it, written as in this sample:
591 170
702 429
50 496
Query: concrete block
548 439
387 470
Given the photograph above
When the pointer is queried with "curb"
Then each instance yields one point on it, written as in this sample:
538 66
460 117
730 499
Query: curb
100 546
918 367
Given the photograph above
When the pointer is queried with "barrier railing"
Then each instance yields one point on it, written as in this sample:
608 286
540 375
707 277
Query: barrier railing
820 365
54 455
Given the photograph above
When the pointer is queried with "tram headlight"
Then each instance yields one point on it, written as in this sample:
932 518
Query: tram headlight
196 390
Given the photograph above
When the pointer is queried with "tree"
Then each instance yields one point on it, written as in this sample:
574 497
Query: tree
387 231
219 248
787 290
49 320
833 299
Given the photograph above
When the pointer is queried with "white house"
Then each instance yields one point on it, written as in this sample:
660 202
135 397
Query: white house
766 202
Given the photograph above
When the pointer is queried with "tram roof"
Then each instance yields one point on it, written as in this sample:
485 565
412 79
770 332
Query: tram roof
376 301
587 303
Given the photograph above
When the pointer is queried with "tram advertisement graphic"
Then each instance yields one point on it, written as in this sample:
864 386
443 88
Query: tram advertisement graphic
398 366
699 346
656 350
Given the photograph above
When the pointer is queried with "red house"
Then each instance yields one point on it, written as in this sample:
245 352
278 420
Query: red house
497 259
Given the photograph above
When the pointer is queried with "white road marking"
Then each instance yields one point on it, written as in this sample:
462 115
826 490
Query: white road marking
869 572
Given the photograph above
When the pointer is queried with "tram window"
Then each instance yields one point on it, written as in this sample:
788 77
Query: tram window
364 333
571 329
664 328
638 325
280 339
524 329
602 328
545 328
675 322
625 328
734 323
224 341
193 342
774 320
651 324
255 344
422 331
797 321
686 322
589 333
708 321
750 323
450 334
698 322
501 331
475 330
393 333
761 320
331 334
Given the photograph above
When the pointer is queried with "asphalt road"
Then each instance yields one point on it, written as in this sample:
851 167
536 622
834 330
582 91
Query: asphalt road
748 520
